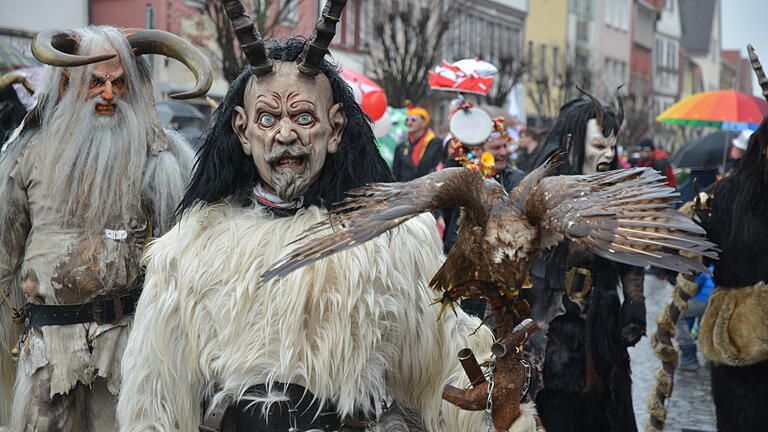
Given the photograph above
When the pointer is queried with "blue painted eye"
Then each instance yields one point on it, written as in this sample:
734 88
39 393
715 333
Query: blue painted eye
266 120
305 119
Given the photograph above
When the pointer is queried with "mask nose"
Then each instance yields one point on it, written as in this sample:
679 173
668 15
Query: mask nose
286 135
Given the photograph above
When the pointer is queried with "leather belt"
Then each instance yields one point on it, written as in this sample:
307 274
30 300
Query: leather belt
101 310
301 412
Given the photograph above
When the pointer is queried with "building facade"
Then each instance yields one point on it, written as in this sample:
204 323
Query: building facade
701 39
547 77
666 58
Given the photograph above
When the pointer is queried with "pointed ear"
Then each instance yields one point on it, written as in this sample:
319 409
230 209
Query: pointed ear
338 121
239 125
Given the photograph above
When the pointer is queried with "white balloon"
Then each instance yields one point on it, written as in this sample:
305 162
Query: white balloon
356 92
382 126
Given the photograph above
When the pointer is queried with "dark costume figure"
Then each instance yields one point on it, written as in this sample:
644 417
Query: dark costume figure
422 151
581 349
734 329
12 111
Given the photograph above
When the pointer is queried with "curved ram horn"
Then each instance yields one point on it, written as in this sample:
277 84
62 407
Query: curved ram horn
250 40
57 47
14 78
758 68
598 107
317 46
620 104
145 41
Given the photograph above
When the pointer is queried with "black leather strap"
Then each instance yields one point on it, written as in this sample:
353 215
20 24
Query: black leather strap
301 412
105 310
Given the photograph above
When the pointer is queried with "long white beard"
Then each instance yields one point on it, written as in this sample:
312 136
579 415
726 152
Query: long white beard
94 164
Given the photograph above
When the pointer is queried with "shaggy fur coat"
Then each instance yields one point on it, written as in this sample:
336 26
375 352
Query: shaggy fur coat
353 328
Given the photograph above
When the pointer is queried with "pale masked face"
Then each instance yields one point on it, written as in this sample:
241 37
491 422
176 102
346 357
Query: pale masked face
599 151
289 124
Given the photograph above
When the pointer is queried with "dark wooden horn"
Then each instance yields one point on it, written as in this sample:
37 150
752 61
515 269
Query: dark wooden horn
758 68
145 41
620 104
250 40
598 106
58 47
317 46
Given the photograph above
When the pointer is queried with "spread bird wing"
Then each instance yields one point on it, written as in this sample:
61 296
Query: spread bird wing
622 215
377 208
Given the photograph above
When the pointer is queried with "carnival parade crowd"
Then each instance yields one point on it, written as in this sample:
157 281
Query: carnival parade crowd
283 276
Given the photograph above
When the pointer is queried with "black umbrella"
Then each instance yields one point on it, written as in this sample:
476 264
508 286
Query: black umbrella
705 153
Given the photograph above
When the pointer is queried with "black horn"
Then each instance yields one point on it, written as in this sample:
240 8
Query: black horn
14 78
758 68
145 41
620 105
250 40
600 112
57 47
317 46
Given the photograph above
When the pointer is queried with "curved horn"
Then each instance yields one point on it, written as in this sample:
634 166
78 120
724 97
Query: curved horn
620 103
317 46
250 40
758 68
145 41
14 78
57 47
598 107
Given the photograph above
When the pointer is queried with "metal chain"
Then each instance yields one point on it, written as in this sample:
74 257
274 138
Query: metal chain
489 404
528 374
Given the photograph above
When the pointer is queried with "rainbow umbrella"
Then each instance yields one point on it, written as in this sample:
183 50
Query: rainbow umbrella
722 109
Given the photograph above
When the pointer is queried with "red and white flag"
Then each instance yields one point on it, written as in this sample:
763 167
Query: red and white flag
463 76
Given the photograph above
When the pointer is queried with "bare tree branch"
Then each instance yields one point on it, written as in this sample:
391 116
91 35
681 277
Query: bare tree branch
510 73
408 34
266 14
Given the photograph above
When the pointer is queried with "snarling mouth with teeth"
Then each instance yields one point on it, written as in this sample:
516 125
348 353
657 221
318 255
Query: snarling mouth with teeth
105 109
603 166
296 163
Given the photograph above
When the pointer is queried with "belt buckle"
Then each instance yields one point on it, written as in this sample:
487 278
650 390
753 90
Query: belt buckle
99 310
571 278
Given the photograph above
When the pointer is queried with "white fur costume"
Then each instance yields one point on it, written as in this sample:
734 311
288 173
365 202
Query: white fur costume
351 328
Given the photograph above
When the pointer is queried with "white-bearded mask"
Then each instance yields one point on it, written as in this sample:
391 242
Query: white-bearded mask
599 151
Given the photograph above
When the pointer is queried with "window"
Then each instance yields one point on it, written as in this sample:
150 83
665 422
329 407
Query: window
543 57
531 58
555 62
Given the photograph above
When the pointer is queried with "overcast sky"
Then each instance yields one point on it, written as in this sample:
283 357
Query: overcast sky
745 22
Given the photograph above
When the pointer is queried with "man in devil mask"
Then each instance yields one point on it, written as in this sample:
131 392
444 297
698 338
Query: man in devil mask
319 349
89 179
581 349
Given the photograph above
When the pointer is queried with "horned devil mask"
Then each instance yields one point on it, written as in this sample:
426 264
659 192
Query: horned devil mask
288 123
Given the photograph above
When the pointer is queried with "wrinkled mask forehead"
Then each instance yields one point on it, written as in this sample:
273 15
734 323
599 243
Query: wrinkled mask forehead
284 80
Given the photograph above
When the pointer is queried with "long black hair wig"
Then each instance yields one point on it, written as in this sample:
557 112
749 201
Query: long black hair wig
738 221
222 168
569 131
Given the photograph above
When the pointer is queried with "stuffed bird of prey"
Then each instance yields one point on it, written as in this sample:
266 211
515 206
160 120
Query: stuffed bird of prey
622 215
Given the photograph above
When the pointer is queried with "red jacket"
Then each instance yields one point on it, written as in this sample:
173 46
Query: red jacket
660 162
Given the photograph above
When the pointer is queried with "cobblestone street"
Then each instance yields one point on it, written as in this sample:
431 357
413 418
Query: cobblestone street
690 408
